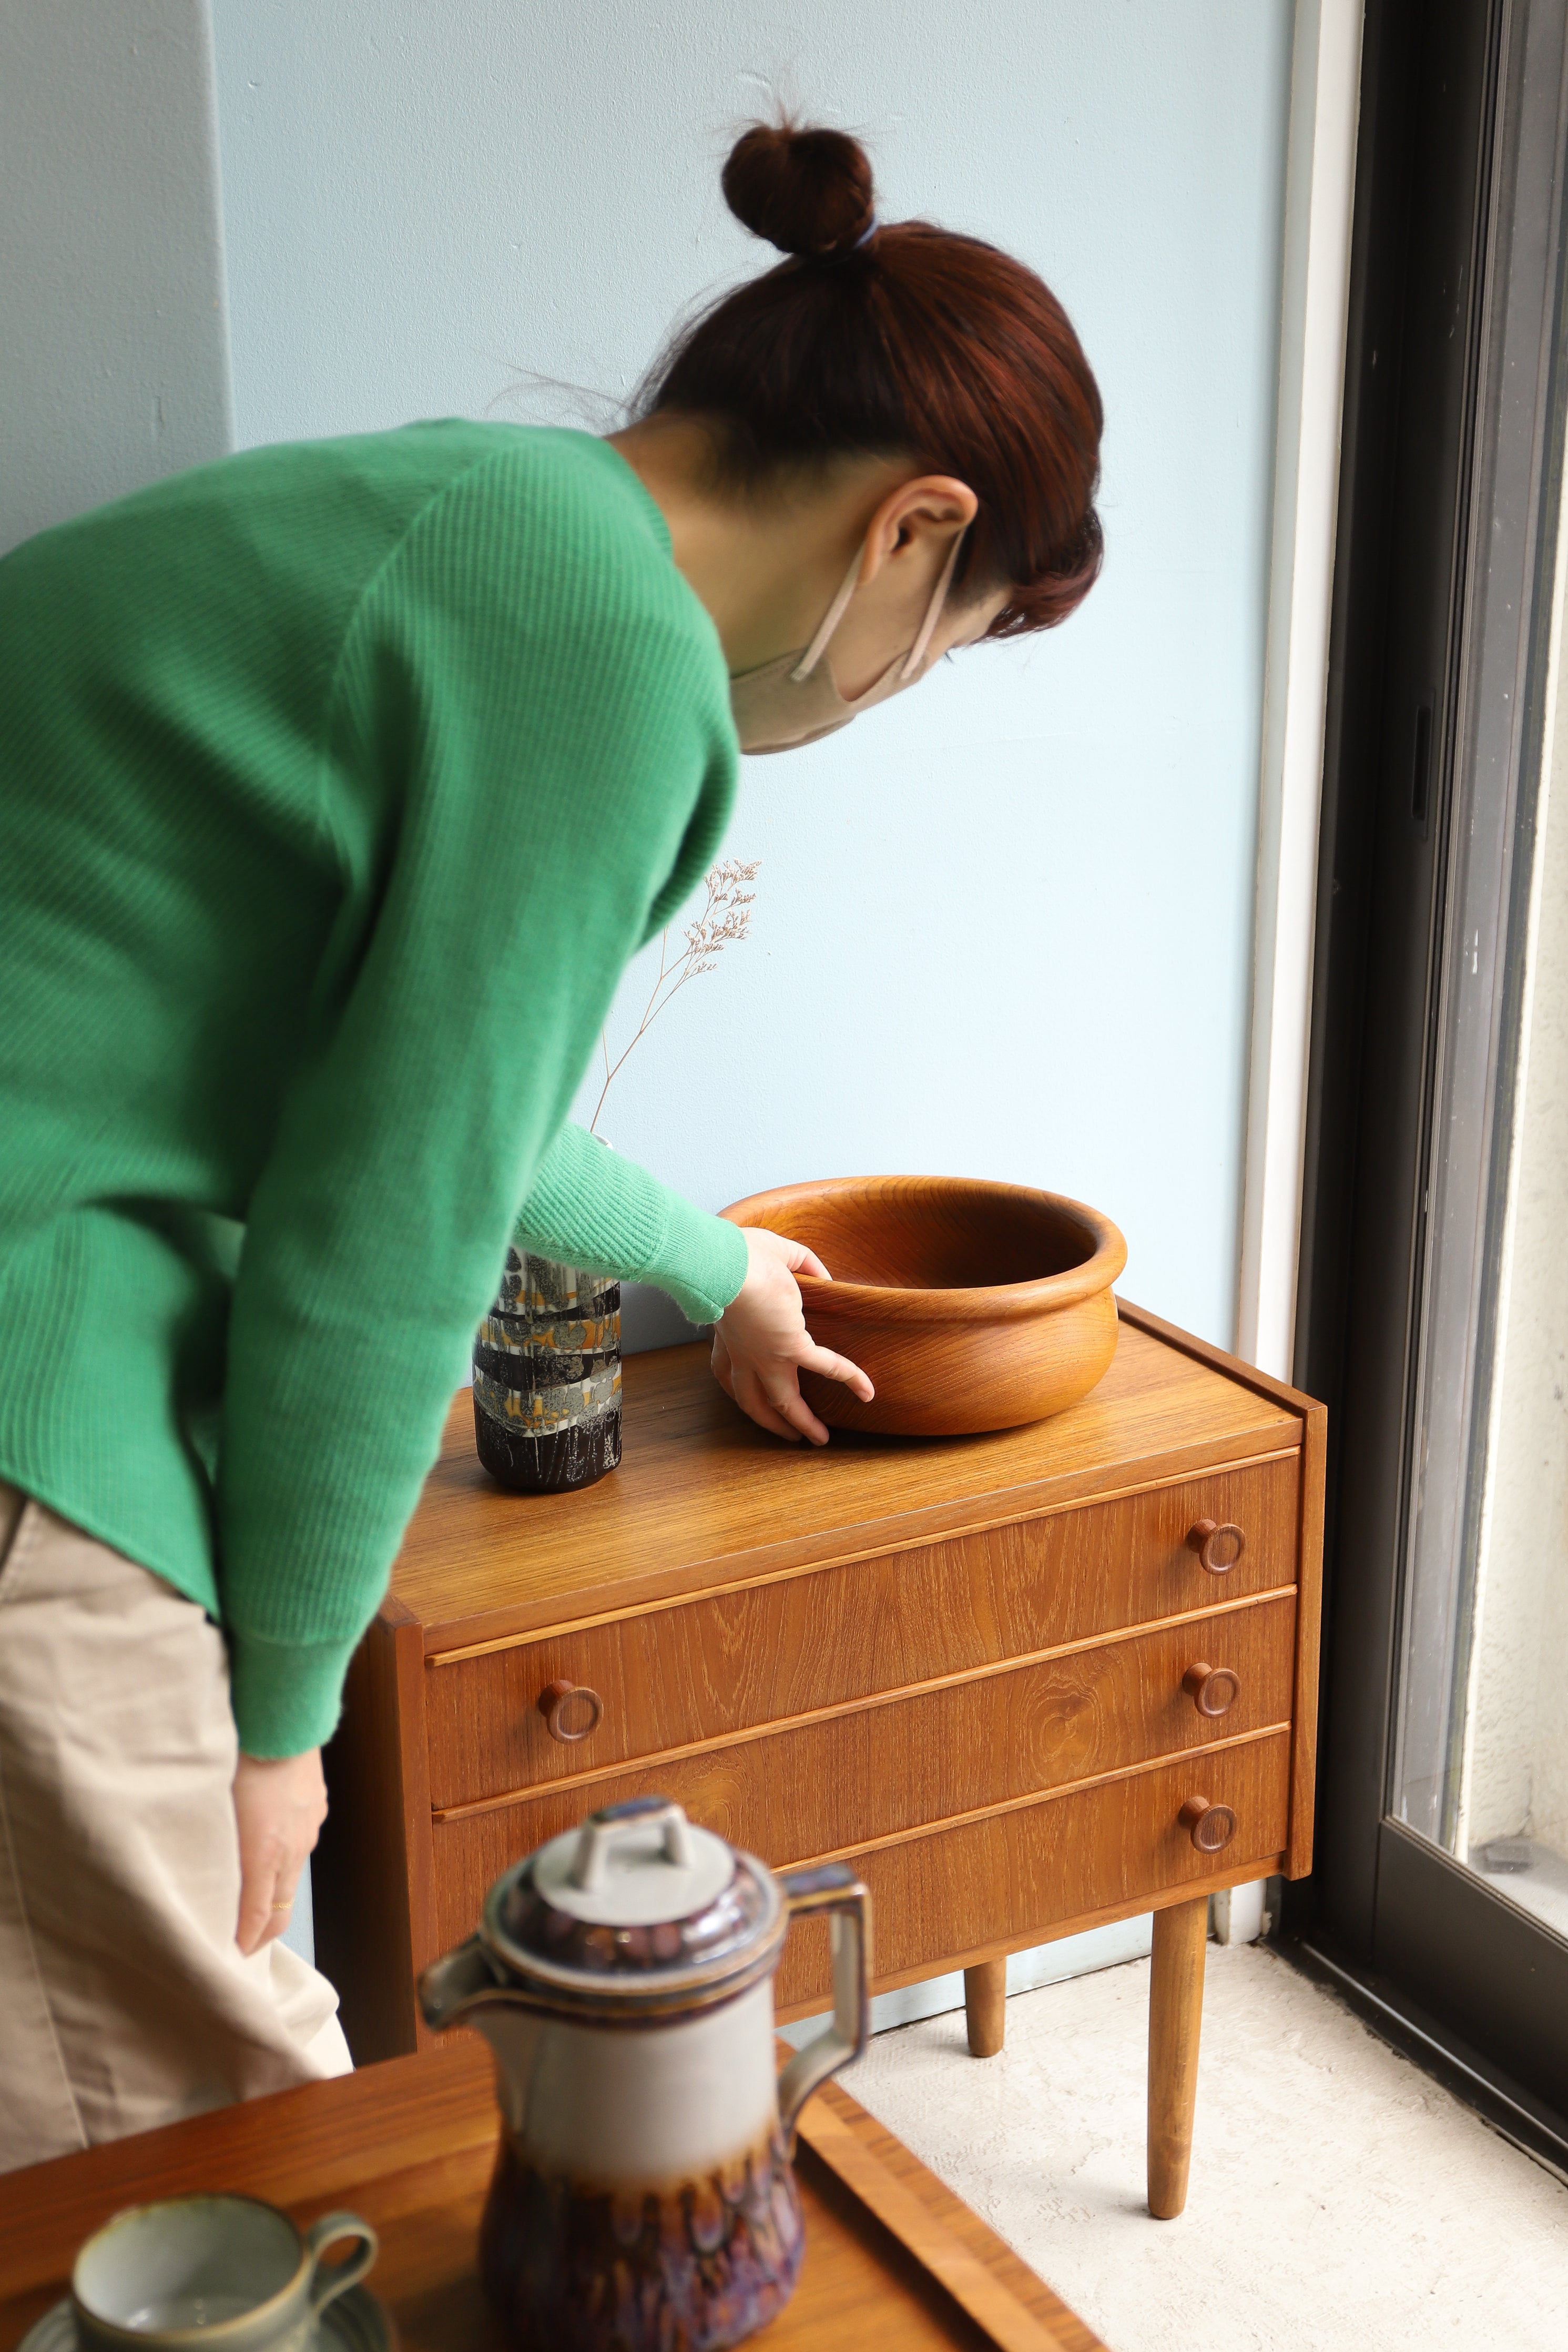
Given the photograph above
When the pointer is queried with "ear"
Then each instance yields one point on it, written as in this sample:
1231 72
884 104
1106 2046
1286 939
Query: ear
920 518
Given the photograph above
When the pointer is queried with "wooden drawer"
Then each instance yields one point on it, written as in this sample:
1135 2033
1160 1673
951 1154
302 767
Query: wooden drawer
705 1668
952 1895
835 1782
943 1892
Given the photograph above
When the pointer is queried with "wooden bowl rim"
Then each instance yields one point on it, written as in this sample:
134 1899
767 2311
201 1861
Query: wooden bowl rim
1004 1302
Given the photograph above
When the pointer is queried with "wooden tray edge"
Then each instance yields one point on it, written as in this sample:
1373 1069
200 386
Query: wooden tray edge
1011 2305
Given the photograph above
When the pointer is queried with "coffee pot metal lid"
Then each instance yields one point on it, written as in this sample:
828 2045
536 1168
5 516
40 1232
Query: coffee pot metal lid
638 1896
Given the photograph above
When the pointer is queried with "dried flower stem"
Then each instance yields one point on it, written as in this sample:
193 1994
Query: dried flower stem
725 918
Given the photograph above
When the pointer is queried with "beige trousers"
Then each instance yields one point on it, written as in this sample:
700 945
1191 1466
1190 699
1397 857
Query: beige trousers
124 2000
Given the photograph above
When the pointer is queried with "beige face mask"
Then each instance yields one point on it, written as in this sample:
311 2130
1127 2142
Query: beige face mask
795 700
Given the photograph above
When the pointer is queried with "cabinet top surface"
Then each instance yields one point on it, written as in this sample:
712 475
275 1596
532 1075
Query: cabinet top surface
703 1498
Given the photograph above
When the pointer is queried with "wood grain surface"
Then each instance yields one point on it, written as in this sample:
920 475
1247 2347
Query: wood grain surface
892 2258
873 1650
1314 1422
372 1869
828 1636
970 1305
867 1770
986 2007
703 1498
1309 1612
950 1897
1017 2315
941 1895
1175 2025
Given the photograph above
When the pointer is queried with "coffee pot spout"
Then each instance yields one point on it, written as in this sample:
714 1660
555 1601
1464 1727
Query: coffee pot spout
450 1989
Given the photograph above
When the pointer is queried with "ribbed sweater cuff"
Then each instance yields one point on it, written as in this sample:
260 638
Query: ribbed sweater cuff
590 1207
285 1696
712 1258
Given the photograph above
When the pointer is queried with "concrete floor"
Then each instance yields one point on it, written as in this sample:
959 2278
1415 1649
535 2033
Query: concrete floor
1341 2200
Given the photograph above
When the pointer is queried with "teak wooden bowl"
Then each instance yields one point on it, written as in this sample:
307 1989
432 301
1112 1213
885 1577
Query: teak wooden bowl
971 1306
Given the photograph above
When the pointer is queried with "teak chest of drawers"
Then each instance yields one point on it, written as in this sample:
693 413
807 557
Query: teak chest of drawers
1027 1683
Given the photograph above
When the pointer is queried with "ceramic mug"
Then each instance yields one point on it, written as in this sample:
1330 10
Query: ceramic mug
225 2272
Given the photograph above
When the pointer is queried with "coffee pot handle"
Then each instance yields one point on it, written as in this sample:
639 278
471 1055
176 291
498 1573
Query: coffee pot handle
833 1888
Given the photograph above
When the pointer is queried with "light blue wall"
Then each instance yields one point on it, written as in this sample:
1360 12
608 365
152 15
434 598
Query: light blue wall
1003 927
113 353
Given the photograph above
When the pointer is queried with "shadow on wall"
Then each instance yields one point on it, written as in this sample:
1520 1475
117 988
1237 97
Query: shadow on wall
649 1319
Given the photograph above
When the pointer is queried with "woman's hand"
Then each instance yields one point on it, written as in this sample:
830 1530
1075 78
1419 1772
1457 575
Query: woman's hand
761 1345
280 1803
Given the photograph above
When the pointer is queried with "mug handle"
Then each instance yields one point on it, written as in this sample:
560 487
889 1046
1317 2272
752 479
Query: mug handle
833 1888
326 2286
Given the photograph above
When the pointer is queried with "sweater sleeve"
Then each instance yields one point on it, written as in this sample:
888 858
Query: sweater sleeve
589 1207
529 753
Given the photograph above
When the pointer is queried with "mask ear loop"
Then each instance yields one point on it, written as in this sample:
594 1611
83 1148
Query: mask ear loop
830 619
840 605
933 613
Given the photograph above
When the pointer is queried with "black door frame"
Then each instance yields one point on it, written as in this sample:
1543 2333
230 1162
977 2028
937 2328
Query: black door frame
1459 154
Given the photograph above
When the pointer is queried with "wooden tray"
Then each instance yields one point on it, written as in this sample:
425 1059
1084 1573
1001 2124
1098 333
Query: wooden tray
893 2257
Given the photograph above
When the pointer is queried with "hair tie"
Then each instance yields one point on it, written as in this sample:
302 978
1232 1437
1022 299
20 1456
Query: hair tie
866 234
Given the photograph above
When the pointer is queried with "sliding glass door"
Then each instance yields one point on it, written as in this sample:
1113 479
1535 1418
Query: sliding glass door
1434 1310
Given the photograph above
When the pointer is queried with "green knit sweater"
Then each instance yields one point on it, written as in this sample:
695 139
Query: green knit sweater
338 783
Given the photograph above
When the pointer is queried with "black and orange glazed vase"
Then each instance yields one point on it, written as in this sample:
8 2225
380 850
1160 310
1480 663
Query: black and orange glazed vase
547 1378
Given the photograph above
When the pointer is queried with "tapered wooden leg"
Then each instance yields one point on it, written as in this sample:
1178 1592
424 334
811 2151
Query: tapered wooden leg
986 2007
1175 2020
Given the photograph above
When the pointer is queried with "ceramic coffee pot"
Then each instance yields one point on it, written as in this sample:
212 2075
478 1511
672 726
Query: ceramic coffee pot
642 2196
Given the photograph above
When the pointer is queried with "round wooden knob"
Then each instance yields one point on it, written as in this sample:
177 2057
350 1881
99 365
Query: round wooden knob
570 1711
1214 1689
1210 1827
1219 1548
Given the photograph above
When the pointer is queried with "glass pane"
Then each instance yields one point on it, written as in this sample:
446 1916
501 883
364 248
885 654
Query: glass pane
1480 1753
1511 1817
1481 1765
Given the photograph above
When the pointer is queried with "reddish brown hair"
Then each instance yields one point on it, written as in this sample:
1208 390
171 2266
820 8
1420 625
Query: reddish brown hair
908 342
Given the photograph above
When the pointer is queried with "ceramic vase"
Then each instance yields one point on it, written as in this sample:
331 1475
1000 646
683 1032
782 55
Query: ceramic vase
547 1378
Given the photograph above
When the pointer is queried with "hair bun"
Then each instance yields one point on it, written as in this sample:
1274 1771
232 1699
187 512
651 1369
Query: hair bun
807 192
